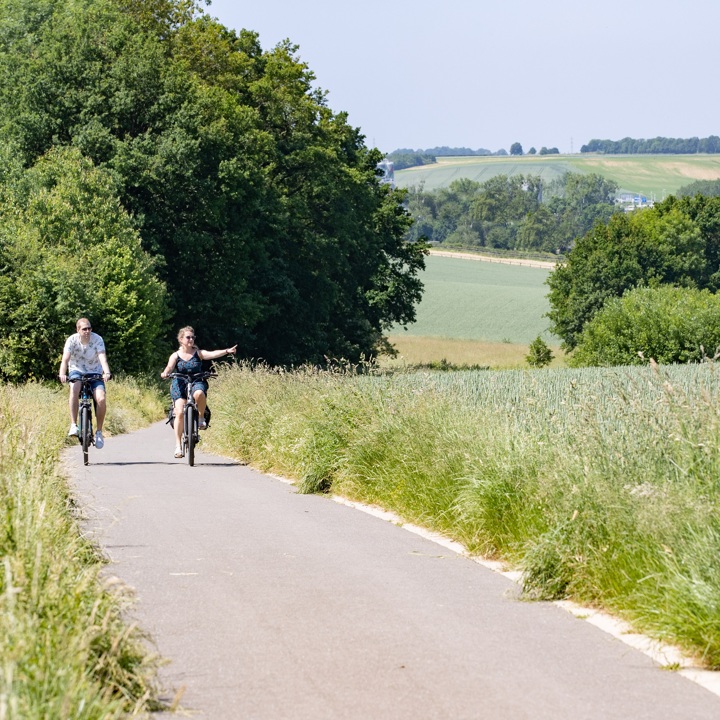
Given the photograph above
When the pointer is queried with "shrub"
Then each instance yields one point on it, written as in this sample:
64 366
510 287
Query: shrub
69 249
668 324
540 354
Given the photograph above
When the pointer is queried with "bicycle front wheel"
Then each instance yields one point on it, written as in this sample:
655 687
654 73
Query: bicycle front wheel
190 432
85 431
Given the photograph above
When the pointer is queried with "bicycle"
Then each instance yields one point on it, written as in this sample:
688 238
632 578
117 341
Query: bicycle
191 416
87 402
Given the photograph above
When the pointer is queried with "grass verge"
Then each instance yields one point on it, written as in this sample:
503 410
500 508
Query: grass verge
66 650
600 484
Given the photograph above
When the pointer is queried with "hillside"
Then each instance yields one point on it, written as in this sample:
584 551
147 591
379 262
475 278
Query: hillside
485 301
654 176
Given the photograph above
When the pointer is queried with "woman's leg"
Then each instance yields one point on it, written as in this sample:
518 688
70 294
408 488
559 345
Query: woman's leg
179 420
201 401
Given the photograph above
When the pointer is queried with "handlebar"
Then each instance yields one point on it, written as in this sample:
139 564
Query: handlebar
191 377
87 377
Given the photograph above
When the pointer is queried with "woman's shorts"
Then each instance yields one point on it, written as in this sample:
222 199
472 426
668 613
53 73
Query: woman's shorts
178 388
94 384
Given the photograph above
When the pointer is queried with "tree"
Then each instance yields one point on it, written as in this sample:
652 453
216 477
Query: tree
711 188
262 205
539 354
516 149
68 248
674 243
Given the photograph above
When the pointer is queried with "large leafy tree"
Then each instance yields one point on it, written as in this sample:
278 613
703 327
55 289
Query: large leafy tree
262 205
68 248
675 243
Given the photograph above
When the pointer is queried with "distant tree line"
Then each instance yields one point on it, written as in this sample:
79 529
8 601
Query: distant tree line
517 212
658 145
517 149
710 188
407 157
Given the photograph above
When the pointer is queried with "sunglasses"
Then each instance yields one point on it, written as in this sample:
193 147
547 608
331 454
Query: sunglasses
189 337
85 328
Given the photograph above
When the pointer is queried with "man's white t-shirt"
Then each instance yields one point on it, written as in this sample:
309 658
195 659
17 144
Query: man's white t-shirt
84 358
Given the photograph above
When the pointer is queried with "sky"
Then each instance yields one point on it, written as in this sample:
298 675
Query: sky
487 73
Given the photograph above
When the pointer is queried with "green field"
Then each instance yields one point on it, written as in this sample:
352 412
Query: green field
654 176
471 300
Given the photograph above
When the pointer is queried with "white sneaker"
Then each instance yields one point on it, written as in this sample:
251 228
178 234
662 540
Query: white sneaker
74 431
202 425
99 440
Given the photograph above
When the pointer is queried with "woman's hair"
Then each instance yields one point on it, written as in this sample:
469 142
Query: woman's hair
184 330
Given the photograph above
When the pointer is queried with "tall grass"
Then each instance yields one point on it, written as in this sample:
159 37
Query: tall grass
601 485
65 649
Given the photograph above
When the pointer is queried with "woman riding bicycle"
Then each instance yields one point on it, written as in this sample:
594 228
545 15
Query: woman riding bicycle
188 359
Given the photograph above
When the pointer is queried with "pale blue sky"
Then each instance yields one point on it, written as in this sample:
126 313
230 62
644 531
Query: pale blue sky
487 73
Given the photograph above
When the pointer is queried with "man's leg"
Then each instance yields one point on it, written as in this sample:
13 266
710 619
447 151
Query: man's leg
100 406
74 401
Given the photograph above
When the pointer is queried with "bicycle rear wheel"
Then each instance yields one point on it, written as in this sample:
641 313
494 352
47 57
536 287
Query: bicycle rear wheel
85 431
190 432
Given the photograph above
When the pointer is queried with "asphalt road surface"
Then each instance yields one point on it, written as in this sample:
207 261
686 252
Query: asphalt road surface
269 604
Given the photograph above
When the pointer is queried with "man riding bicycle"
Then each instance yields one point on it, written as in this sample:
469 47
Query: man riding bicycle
84 353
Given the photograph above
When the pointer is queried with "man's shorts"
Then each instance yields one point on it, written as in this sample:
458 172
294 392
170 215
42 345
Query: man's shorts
94 384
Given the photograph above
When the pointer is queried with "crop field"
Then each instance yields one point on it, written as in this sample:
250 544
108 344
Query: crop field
655 176
482 301
599 484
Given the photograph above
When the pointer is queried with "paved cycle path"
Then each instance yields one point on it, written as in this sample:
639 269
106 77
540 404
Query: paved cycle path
269 605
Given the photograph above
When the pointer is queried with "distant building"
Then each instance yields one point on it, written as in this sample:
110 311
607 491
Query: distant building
631 201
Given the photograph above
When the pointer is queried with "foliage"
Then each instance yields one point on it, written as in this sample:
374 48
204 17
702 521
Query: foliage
402 160
663 145
69 249
517 212
66 648
443 151
676 242
668 324
516 149
599 484
539 354
263 204
711 188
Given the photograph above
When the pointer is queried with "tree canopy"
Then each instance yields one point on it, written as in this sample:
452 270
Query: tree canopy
658 145
668 324
675 243
259 206
515 212
68 248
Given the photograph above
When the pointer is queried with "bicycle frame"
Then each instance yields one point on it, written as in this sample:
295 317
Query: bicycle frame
85 410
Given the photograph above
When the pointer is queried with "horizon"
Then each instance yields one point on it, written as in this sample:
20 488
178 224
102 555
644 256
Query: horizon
487 75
